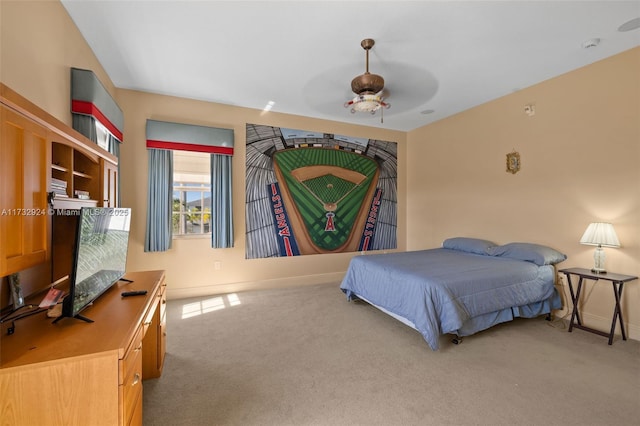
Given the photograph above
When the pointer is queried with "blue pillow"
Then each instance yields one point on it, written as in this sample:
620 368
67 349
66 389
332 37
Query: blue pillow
469 245
536 253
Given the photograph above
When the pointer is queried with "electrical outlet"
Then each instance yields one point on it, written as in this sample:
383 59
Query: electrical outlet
217 265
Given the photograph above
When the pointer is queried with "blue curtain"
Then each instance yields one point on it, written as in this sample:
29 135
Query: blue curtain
114 148
221 202
159 201
86 125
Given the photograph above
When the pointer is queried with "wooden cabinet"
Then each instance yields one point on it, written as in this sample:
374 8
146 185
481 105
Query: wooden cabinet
109 183
131 387
39 154
24 155
74 372
156 334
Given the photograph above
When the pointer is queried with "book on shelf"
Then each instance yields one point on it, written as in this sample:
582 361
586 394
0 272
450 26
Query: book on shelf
60 192
58 182
59 187
82 195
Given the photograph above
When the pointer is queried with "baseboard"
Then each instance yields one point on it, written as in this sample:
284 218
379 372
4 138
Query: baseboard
590 320
210 290
600 323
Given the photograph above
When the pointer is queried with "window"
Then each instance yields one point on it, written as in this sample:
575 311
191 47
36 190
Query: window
191 213
179 171
102 136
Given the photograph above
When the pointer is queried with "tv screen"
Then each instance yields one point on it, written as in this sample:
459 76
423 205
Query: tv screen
100 256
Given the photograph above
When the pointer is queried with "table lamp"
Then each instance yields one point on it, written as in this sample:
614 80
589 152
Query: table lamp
600 234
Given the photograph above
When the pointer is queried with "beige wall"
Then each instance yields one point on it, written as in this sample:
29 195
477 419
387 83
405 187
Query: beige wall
580 158
39 43
190 263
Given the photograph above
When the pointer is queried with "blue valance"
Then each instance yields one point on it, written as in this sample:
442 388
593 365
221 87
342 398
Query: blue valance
89 97
188 137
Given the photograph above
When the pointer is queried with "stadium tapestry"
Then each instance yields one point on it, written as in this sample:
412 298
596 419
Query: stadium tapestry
311 193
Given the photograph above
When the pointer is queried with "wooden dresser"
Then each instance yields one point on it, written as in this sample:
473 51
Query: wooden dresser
79 373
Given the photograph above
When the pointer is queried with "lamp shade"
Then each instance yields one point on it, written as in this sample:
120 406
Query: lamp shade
600 234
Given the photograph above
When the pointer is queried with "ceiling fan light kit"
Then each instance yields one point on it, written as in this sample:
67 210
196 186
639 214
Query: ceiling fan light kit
367 88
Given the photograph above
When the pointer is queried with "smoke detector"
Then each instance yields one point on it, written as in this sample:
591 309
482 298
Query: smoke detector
592 42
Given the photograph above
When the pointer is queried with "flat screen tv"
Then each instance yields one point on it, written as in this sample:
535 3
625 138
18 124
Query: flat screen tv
99 257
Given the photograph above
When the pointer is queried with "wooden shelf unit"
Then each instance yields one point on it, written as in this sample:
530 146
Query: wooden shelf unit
80 170
36 148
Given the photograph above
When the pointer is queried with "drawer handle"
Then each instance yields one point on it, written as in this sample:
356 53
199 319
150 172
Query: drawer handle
136 379
138 348
148 323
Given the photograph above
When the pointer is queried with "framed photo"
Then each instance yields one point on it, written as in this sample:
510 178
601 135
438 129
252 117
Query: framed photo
513 162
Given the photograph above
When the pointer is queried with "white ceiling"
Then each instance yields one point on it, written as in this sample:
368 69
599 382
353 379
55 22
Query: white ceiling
445 56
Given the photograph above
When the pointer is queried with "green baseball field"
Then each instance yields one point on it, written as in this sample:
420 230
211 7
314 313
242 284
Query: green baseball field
327 194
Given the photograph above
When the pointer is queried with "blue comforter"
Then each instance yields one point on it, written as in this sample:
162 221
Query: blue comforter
441 289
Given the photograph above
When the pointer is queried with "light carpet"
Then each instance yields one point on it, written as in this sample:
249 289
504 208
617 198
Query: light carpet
306 356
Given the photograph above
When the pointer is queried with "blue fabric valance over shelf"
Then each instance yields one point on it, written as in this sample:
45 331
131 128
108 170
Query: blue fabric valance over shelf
187 137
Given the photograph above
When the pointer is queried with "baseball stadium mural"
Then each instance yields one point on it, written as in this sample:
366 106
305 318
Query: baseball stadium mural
311 193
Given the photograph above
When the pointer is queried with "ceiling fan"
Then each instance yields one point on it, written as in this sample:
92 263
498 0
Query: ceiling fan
367 88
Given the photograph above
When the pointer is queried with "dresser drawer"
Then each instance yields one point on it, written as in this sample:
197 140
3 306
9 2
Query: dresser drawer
148 318
136 414
163 301
132 389
132 358
162 342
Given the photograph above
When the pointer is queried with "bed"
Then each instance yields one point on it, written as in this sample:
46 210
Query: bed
464 287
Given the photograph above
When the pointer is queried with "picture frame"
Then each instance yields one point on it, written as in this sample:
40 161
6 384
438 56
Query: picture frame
513 162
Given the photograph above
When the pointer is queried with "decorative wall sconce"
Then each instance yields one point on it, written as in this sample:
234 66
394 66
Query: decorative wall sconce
513 162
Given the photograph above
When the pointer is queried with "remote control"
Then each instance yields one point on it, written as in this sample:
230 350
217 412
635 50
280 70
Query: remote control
133 293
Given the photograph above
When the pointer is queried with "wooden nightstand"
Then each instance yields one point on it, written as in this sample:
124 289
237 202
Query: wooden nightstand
617 281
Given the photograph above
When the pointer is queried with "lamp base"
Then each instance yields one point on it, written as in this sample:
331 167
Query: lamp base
598 264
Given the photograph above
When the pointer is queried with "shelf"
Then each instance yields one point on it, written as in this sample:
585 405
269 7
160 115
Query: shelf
82 175
67 203
80 170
